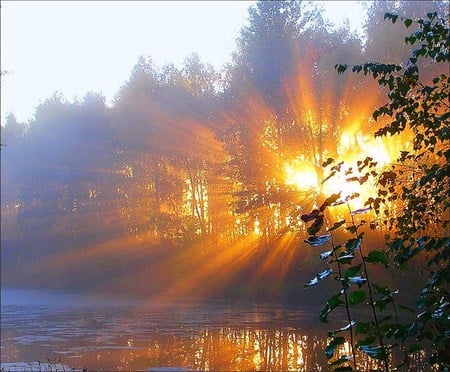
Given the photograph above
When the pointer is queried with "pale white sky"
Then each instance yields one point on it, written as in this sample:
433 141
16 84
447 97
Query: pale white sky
78 46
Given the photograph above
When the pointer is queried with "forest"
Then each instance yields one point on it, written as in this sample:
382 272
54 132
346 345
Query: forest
199 184
193 182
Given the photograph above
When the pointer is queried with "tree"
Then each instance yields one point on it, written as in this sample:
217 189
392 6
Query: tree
412 201
422 223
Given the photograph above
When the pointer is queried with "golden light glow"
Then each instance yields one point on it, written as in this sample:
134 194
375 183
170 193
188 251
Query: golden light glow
301 175
353 146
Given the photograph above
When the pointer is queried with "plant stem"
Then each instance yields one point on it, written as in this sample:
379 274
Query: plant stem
347 307
371 300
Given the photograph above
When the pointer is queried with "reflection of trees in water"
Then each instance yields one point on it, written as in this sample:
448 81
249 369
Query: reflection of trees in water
229 349
248 349
252 349
211 349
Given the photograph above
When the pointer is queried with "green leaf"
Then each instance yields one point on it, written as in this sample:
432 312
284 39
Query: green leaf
380 290
340 68
357 297
353 244
352 271
414 347
342 329
407 22
382 302
333 345
345 258
332 303
377 257
364 327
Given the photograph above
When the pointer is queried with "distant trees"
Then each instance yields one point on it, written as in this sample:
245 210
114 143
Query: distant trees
189 156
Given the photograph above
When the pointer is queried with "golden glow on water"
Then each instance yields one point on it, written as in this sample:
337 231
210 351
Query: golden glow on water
152 338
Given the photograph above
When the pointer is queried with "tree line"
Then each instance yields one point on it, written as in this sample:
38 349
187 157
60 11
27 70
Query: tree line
192 159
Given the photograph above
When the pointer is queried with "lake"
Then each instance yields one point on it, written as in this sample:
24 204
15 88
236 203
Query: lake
121 334
69 331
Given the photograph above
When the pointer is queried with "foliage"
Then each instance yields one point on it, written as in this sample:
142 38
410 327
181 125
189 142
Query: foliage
412 202
176 162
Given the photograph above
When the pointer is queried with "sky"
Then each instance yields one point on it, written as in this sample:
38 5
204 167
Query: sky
74 47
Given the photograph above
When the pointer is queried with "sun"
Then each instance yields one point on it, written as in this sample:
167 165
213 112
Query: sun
301 175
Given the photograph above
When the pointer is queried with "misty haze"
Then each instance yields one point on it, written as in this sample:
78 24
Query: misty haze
286 211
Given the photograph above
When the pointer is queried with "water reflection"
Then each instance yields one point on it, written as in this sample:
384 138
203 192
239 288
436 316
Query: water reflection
215 349
215 336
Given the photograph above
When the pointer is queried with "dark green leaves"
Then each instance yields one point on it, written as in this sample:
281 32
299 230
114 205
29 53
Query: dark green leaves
414 347
332 303
345 258
353 244
352 271
418 184
357 297
377 257
364 327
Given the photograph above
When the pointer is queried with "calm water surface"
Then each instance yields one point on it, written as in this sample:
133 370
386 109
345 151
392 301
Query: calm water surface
112 334
107 334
